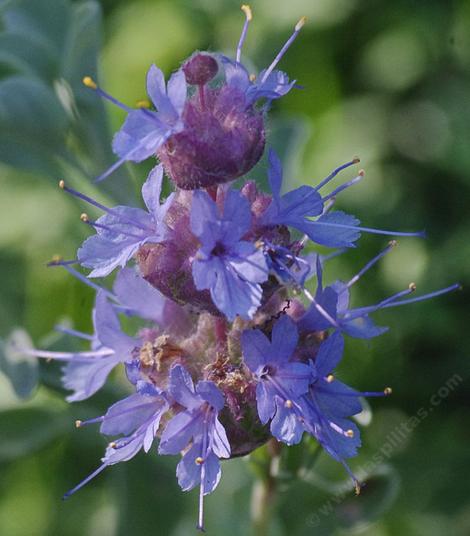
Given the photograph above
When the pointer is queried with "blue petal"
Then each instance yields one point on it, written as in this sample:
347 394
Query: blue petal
329 354
265 402
218 441
313 320
125 453
256 349
157 92
275 176
203 217
188 471
86 377
179 431
108 329
286 426
181 388
294 378
231 294
152 189
140 136
284 340
362 328
235 74
139 296
177 91
208 391
321 232
249 262
125 416
337 399
212 473
236 220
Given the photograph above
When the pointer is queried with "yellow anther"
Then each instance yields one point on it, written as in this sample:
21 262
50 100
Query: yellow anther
388 391
350 433
89 82
356 160
84 217
199 460
393 243
247 10
288 404
357 488
62 184
300 24
412 287
252 77
56 258
330 378
361 173
112 445
144 103
78 423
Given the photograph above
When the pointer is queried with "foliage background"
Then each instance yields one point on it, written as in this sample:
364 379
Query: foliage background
386 80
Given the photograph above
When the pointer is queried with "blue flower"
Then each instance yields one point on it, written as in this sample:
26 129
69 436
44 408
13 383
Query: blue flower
296 208
281 382
86 372
231 268
137 418
271 83
198 432
145 131
122 230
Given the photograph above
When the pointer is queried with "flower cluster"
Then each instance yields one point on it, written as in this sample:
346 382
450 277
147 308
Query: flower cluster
234 348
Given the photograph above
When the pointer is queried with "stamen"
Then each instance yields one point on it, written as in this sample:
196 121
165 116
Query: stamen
85 219
388 391
288 404
248 17
346 185
391 245
335 172
96 420
96 204
199 460
350 433
420 234
456 286
362 311
283 50
73 332
330 378
84 482
89 82
66 356
86 280
144 103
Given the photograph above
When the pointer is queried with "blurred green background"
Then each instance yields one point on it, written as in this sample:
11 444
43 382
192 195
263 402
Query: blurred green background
388 81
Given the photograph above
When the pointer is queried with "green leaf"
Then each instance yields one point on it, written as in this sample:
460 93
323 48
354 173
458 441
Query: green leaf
20 368
32 124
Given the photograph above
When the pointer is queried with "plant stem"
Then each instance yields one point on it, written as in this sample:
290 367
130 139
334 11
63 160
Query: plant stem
264 492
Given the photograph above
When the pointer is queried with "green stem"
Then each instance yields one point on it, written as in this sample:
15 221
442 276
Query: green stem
264 492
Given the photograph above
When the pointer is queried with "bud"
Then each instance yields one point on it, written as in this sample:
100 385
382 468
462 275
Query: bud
222 139
200 69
